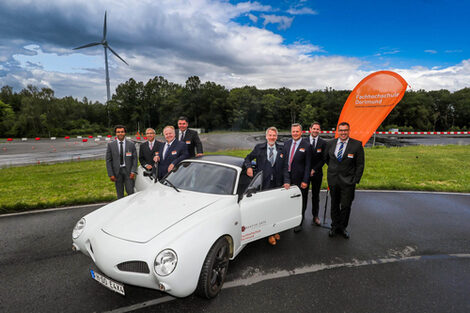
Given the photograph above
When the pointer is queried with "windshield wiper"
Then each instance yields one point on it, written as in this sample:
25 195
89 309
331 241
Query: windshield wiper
163 180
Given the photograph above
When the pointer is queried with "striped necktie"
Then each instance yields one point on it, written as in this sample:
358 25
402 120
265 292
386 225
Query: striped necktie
340 152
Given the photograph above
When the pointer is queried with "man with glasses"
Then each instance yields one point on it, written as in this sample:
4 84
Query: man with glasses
121 162
148 150
345 159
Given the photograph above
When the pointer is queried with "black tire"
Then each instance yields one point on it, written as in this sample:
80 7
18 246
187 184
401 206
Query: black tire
214 269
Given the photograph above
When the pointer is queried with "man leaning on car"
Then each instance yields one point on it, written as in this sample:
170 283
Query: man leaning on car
269 159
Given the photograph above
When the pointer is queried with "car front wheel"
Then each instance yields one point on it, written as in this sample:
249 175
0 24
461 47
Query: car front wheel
214 269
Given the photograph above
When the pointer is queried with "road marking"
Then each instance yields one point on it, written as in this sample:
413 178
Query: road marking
55 209
142 305
261 277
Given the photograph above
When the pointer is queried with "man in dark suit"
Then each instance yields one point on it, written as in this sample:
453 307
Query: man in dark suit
170 153
121 162
189 137
345 159
148 149
317 145
269 159
297 158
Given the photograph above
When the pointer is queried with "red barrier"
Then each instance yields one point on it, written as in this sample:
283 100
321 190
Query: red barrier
84 140
109 136
90 136
9 139
408 133
138 137
67 137
37 138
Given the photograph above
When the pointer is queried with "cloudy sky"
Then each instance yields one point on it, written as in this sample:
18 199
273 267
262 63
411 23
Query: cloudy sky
295 44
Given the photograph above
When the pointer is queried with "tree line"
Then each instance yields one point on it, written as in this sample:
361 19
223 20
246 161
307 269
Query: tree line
157 103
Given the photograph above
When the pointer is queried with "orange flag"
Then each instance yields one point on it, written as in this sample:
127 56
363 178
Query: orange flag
371 102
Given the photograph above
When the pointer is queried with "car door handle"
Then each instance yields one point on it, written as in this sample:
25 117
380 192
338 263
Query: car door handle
295 196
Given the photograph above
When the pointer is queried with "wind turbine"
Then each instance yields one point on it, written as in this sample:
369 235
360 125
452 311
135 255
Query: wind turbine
104 42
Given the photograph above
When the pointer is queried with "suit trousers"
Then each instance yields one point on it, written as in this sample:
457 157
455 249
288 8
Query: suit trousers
316 181
304 202
122 179
341 201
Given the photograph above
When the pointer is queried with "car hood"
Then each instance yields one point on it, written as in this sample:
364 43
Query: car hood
152 211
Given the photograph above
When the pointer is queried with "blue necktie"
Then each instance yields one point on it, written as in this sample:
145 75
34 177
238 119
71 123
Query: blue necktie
340 152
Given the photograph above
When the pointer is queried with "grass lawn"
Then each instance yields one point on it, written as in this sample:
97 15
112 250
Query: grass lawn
430 168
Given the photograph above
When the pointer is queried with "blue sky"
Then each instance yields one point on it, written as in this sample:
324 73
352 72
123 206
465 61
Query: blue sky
268 44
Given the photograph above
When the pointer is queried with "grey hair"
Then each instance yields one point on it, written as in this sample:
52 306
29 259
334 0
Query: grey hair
271 128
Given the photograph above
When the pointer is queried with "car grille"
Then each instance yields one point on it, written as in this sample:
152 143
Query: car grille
134 266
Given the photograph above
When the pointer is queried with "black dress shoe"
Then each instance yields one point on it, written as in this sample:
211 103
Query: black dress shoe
297 229
332 232
345 234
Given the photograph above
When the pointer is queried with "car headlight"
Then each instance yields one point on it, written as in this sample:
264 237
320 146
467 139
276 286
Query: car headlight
78 229
165 262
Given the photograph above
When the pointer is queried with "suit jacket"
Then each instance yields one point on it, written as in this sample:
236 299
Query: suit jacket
191 139
300 167
317 161
349 171
146 155
260 153
175 153
112 158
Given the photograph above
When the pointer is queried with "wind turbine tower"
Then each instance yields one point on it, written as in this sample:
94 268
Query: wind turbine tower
104 42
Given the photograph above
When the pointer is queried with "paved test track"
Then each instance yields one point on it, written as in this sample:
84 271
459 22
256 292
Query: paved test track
408 252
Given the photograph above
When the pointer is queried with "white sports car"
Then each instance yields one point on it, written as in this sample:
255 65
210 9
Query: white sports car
179 234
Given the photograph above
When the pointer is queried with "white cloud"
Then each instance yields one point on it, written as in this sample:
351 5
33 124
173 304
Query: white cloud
284 22
253 18
451 78
302 11
430 51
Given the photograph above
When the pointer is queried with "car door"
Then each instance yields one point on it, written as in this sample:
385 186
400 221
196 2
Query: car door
268 212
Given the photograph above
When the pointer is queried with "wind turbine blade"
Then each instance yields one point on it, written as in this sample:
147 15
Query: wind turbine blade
104 27
117 55
88 45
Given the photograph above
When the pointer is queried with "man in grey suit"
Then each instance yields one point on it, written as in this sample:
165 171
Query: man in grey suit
121 162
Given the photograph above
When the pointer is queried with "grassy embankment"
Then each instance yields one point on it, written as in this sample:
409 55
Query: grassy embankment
431 168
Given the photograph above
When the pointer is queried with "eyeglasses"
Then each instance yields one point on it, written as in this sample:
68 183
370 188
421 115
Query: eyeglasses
150 133
120 132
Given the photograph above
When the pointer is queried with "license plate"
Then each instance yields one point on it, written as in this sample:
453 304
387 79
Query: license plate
108 283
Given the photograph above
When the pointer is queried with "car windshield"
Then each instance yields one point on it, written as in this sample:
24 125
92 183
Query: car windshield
203 177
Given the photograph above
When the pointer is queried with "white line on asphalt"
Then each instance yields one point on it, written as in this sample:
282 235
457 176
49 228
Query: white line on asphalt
54 209
260 277
142 305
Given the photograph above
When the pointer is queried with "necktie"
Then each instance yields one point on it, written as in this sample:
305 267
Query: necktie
166 151
181 136
121 153
271 155
340 152
151 145
291 154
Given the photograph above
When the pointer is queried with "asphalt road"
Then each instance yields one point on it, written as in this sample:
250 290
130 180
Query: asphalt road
408 252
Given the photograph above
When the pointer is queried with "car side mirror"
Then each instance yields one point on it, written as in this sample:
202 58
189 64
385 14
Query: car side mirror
250 191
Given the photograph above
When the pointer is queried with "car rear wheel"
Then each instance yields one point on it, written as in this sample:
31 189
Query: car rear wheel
214 269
